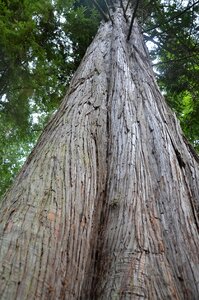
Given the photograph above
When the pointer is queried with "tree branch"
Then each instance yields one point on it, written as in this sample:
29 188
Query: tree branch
173 60
174 17
103 14
132 20
127 5
124 12
108 11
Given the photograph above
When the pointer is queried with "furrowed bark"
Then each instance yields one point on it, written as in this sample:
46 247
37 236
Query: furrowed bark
105 206
149 232
50 216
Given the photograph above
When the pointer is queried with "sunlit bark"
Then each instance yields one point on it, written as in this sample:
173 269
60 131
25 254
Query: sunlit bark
105 206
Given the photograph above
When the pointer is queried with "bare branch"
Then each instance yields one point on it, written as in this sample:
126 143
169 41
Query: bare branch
132 20
108 11
106 19
124 12
127 5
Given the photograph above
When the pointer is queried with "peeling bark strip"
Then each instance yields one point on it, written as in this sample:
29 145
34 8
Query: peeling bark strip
105 206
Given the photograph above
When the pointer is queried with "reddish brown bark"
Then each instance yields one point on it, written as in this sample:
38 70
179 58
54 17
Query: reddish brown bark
105 206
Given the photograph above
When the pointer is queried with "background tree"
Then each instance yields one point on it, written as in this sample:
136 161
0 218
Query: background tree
43 43
173 28
41 46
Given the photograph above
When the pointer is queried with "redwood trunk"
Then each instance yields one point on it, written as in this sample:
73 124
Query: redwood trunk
105 206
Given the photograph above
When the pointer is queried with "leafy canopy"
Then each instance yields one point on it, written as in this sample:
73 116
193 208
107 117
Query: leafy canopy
42 44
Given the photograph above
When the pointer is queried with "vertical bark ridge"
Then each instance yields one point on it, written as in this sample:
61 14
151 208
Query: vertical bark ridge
49 219
105 206
149 235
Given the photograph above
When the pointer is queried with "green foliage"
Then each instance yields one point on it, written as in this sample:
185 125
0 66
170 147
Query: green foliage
15 146
174 32
42 44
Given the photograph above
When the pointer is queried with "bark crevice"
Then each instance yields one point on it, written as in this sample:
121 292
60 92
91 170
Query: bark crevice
104 207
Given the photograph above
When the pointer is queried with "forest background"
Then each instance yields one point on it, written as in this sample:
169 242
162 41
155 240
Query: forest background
42 44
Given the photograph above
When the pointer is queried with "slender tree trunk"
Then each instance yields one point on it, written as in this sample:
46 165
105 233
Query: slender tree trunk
105 206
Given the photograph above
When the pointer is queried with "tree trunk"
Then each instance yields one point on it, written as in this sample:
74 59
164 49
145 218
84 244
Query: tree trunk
105 206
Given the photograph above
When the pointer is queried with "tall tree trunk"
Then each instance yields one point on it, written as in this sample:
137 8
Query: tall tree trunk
105 206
